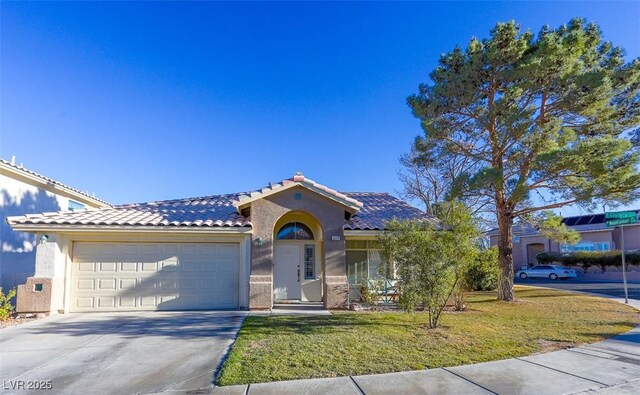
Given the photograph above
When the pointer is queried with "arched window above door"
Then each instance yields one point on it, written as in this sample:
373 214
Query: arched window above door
294 231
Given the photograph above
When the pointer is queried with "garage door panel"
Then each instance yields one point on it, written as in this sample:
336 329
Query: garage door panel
107 284
127 302
148 301
84 303
149 266
148 276
86 284
107 266
106 302
86 266
128 266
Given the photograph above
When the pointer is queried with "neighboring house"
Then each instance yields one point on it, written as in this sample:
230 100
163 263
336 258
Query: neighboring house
23 191
594 233
295 240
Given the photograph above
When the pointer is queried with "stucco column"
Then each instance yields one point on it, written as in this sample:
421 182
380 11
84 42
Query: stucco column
335 285
261 277
44 292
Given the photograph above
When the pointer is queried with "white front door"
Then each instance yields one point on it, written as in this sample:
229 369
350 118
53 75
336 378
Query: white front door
287 272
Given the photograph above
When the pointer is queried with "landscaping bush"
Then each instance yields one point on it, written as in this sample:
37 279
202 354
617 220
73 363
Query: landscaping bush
482 273
6 307
430 259
587 259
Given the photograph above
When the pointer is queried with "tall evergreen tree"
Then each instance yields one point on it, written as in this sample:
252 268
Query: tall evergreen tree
553 115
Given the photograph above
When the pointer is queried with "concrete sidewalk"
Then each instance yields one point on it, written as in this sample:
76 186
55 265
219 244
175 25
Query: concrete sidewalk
608 367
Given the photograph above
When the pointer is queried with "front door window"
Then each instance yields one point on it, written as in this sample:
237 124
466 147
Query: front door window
309 262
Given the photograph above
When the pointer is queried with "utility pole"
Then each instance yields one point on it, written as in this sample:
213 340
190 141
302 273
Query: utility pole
624 267
613 220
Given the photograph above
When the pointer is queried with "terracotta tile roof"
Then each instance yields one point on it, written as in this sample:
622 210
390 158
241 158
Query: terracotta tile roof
378 208
48 180
214 211
210 211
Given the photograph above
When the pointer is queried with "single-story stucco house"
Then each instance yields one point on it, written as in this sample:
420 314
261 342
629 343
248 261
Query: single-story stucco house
294 240
23 191
595 235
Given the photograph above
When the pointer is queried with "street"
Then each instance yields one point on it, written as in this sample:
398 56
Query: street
611 288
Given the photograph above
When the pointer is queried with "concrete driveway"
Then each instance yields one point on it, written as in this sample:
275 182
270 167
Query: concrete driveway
123 353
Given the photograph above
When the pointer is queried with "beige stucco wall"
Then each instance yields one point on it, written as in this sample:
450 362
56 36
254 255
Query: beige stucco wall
631 237
329 214
595 237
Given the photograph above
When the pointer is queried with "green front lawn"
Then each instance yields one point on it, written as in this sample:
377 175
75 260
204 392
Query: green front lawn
352 343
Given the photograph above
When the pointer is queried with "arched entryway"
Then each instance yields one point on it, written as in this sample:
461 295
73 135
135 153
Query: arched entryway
297 274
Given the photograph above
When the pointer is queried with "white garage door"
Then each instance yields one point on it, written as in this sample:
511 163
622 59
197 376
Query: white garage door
154 276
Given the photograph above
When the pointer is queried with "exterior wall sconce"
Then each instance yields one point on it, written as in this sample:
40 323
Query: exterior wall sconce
258 241
44 239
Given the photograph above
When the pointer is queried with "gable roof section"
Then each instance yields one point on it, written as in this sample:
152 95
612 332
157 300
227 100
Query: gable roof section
207 212
352 205
20 173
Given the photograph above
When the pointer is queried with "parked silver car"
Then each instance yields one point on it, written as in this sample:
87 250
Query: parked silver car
552 272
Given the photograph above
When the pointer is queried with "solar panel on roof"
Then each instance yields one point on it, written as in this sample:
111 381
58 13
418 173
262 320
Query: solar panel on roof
584 220
597 219
571 221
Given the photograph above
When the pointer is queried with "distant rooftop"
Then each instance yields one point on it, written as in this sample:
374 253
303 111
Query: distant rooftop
579 223
12 167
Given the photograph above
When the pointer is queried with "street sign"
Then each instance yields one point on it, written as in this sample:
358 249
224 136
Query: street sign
620 221
617 218
620 214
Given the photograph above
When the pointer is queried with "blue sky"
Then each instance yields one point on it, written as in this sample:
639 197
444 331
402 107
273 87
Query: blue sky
147 101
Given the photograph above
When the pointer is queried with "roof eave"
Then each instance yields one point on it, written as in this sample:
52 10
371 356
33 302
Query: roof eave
57 188
57 228
362 232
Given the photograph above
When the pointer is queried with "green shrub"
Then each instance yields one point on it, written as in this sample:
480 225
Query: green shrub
587 259
6 307
482 273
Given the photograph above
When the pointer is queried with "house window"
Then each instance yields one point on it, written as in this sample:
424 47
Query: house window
363 260
566 248
357 266
75 205
309 262
295 231
603 246
584 246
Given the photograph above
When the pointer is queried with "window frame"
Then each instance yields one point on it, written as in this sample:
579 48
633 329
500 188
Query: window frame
72 205
295 234
369 246
584 246
312 261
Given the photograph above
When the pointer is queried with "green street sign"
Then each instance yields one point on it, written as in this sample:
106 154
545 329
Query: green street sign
620 221
620 215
